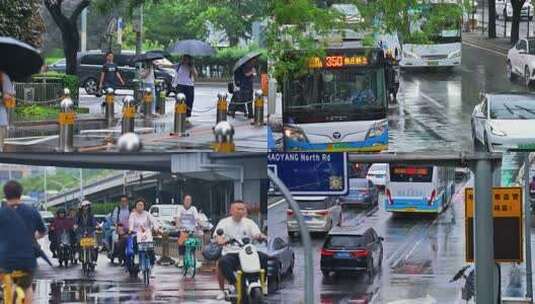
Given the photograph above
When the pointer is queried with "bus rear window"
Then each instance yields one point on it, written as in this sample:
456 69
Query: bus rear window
411 174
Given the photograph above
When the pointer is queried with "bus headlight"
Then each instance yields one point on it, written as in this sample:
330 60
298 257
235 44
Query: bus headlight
377 130
455 54
410 55
295 133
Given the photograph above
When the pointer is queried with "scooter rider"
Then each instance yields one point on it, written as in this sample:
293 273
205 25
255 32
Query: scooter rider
236 226
86 223
60 224
119 217
187 220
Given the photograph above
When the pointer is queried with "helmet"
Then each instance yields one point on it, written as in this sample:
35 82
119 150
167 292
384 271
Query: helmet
61 210
85 203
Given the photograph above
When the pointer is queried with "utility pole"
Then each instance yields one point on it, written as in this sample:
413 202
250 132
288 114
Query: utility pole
527 227
45 186
83 31
138 28
81 184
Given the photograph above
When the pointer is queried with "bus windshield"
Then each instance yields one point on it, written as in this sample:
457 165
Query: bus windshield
344 94
430 19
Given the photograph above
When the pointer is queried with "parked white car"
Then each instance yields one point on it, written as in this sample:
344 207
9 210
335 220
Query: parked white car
377 174
521 61
320 213
504 8
504 121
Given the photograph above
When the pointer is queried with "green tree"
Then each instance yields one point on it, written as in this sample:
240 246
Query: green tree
515 22
21 19
174 20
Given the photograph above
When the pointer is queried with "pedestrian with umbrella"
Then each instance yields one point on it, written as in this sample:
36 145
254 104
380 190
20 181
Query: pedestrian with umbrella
146 73
18 62
244 73
186 73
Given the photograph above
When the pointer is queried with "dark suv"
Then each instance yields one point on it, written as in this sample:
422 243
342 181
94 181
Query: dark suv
352 249
90 65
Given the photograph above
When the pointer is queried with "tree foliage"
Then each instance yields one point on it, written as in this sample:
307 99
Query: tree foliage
68 25
302 24
20 19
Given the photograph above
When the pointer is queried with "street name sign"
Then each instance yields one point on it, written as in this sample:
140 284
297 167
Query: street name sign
311 173
507 214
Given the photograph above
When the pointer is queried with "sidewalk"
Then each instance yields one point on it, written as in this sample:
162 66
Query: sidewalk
476 39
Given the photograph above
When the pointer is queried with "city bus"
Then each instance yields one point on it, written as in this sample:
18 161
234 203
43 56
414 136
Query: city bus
443 47
341 104
412 189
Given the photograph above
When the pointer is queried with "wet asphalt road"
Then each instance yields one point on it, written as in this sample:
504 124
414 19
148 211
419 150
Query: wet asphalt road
421 254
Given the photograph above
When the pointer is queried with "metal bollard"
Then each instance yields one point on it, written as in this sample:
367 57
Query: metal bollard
224 137
161 98
259 108
129 115
147 102
66 124
222 106
180 115
110 106
165 260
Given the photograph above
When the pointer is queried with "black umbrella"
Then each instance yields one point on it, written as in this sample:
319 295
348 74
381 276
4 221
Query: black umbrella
149 56
192 47
161 52
18 59
245 59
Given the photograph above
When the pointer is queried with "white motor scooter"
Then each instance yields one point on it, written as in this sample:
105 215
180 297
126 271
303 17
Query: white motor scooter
251 281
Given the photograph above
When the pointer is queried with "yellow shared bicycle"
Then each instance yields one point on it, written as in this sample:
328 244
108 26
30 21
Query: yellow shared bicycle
12 293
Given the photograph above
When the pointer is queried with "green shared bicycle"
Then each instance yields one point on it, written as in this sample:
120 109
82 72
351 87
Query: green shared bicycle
192 244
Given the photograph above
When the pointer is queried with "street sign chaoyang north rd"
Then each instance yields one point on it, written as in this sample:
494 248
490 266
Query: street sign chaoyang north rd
507 214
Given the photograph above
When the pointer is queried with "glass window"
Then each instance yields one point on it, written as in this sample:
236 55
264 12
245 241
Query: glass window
336 95
278 244
345 241
93 59
531 47
123 60
512 107
521 45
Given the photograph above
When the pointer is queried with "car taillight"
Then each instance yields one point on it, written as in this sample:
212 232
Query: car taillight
360 253
290 212
389 197
326 252
432 198
322 212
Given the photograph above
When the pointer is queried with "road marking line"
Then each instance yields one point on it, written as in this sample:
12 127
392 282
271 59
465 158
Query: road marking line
433 101
276 203
485 49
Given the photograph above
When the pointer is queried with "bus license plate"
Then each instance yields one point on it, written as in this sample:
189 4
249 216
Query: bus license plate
410 209
343 255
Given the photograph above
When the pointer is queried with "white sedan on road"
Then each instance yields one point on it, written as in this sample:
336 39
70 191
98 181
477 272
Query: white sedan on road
521 61
503 121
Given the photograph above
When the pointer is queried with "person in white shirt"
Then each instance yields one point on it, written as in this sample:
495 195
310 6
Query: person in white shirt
184 80
146 75
7 91
142 223
187 220
236 226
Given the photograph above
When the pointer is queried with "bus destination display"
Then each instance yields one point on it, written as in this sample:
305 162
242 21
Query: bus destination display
338 61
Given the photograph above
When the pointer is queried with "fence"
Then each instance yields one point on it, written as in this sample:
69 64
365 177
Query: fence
38 93
503 24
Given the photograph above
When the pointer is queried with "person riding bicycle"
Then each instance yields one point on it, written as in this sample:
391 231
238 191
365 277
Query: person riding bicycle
20 226
236 226
187 221
59 225
142 223
86 224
